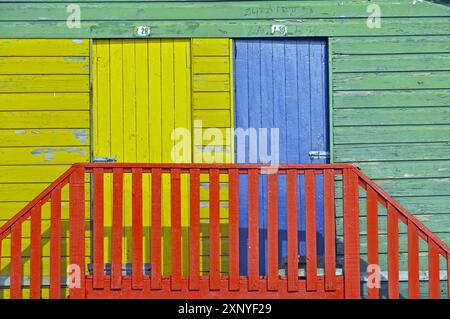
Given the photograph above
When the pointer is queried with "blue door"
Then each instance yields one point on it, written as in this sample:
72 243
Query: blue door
282 83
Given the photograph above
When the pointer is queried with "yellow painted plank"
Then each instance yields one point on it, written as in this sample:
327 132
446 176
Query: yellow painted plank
44 101
102 116
24 192
210 47
212 118
142 102
44 83
44 119
116 139
43 155
44 47
44 65
31 173
211 100
210 65
210 82
44 137
155 99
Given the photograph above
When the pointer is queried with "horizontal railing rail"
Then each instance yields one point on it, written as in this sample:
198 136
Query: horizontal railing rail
188 231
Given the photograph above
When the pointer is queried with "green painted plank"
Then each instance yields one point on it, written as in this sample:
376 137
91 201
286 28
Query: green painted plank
232 10
391 152
417 205
391 98
392 116
392 134
406 169
439 224
392 80
225 28
386 45
391 62
410 187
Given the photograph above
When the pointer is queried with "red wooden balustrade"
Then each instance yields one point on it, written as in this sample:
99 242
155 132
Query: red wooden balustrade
90 277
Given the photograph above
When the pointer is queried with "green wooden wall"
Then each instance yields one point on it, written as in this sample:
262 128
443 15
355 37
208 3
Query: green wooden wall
390 86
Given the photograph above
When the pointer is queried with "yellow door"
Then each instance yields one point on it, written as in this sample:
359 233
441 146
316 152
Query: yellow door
143 90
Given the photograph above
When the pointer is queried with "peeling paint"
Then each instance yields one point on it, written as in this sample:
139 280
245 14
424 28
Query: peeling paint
36 132
78 41
20 131
75 58
49 153
81 135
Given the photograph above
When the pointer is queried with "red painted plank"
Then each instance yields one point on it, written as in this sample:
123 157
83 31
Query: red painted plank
351 235
137 262
272 232
35 253
16 261
329 231
98 228
233 233
194 230
413 262
76 229
311 245
116 233
156 229
175 208
292 229
55 245
393 275
253 230
214 229
433 271
372 240
448 276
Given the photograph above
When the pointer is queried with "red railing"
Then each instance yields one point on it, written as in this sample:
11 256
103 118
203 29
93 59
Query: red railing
136 198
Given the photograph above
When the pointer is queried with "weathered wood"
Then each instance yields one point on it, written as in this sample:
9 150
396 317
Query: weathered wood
230 28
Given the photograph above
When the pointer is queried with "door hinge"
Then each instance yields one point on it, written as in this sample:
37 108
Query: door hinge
319 154
105 159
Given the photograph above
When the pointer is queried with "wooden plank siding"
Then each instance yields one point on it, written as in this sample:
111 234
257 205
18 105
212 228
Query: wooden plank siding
44 127
391 115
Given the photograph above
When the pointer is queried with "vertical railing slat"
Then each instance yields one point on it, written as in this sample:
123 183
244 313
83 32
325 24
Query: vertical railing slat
233 211
272 231
175 226
156 229
253 230
35 253
76 229
292 229
393 274
117 231
329 230
448 276
98 228
433 270
55 245
413 262
137 229
16 261
372 239
194 230
214 229
351 236
311 245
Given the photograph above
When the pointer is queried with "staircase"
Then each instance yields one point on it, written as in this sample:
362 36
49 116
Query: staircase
85 255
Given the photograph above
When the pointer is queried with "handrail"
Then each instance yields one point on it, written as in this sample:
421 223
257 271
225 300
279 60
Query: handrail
407 215
350 177
5 229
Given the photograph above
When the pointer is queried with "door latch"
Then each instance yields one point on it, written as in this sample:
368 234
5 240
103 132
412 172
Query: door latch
105 159
319 154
